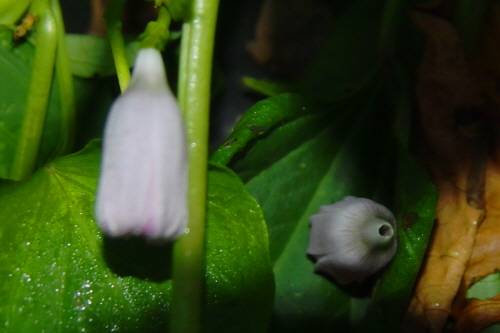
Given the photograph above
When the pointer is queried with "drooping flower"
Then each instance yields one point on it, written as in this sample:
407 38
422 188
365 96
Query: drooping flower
143 182
352 239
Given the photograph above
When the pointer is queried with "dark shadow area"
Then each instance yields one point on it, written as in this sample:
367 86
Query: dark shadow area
354 289
139 258
235 28
307 323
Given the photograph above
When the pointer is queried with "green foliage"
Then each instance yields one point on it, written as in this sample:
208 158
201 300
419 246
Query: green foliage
91 55
157 33
240 283
58 273
179 9
488 287
305 157
264 87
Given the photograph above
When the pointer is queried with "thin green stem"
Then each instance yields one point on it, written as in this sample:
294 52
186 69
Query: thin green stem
194 99
114 27
39 92
66 89
157 33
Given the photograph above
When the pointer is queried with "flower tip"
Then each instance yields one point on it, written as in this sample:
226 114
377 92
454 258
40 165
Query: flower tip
149 69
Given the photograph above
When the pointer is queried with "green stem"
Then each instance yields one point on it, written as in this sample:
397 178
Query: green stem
114 27
194 99
65 80
157 33
39 92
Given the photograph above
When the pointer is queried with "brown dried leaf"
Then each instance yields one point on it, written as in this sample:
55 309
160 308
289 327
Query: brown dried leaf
479 315
475 315
289 33
450 111
446 261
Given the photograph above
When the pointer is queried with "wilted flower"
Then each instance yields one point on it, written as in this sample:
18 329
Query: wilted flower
352 239
143 182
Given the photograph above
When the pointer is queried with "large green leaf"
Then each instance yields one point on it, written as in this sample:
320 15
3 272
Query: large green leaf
15 65
58 273
240 283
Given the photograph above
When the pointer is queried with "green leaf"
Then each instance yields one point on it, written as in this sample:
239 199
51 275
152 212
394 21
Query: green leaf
53 264
58 273
91 55
240 288
301 163
267 88
261 119
15 65
485 288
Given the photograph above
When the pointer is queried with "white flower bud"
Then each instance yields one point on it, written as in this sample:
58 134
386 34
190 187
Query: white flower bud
143 183
352 239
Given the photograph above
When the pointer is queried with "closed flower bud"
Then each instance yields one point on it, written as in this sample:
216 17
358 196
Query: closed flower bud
352 239
143 183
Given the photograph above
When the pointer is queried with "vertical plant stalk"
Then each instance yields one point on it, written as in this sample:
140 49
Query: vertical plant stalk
112 17
194 99
66 89
39 93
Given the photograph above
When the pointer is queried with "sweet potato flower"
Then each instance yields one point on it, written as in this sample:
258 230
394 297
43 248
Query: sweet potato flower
143 181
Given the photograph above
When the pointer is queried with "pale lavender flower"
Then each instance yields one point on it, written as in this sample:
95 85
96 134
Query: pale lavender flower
352 239
143 183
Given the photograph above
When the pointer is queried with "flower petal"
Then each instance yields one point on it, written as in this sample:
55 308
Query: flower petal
352 239
143 182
